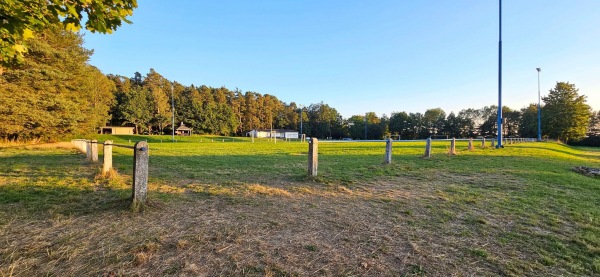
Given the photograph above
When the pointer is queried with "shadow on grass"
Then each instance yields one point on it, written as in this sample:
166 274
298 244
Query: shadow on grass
585 156
42 184
42 202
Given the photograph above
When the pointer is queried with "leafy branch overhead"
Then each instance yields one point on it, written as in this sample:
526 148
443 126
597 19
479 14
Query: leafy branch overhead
22 19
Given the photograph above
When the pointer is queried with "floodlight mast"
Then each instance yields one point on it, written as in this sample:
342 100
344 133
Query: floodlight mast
173 117
499 145
539 110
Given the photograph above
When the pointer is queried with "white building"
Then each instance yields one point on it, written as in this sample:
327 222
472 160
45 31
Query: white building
275 133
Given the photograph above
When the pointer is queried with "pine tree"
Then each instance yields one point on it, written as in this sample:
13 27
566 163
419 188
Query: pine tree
565 114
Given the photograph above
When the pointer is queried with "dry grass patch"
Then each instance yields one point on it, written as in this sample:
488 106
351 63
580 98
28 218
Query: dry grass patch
265 190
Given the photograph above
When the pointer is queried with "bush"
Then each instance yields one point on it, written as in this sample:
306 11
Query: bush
588 141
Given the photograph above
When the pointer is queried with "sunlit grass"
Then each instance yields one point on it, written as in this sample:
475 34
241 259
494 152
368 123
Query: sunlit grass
520 210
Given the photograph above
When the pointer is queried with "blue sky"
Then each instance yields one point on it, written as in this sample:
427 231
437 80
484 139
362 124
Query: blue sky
361 56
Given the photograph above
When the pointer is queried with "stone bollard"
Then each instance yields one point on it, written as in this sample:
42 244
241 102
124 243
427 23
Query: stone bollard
94 151
88 150
388 151
493 140
313 156
471 144
140 174
427 148
452 147
107 164
483 143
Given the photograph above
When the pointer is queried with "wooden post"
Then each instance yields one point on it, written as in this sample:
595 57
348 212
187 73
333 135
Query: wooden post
388 151
427 148
483 142
94 151
107 164
471 144
313 156
140 174
452 147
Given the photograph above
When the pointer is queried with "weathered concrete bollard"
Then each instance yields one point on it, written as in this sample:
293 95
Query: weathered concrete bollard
471 144
388 151
493 140
140 174
88 150
107 164
452 147
483 143
94 151
313 156
80 144
427 148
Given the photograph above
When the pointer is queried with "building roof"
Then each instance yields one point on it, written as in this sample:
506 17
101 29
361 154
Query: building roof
182 127
118 127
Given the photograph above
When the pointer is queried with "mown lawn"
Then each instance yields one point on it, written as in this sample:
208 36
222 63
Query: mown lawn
235 207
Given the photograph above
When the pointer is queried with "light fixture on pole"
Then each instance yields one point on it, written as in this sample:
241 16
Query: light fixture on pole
499 145
539 107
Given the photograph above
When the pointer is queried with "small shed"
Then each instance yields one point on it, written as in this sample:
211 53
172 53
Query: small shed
112 130
183 130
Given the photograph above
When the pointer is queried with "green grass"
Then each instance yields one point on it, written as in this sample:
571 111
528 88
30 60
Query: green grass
251 210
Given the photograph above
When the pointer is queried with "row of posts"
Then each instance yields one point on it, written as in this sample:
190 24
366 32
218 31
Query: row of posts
313 146
140 164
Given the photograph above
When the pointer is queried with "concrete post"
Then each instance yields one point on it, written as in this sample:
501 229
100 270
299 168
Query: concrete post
452 147
88 150
427 148
493 139
471 144
94 151
483 143
388 151
140 174
313 156
107 164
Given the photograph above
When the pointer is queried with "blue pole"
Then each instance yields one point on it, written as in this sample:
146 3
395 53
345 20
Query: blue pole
173 117
301 122
499 145
539 107
366 124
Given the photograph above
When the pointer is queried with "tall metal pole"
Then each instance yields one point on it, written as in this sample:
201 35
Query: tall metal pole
173 117
366 124
499 145
301 111
539 107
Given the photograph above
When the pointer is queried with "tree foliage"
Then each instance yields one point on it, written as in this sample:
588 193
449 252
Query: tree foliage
565 114
21 20
54 93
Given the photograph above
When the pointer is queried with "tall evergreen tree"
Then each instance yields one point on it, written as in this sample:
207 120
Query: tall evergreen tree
528 127
54 93
565 114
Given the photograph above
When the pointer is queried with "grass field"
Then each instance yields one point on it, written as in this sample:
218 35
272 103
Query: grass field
248 209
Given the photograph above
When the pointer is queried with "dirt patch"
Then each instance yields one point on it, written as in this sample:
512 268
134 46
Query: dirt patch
587 171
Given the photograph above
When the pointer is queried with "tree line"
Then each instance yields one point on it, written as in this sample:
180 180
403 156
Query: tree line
54 93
